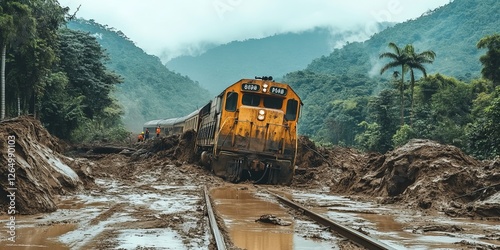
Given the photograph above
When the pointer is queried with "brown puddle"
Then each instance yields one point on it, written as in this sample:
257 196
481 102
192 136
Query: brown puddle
240 210
39 237
438 239
44 236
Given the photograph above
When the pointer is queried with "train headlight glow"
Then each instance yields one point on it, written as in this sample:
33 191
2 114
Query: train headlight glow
261 115
265 85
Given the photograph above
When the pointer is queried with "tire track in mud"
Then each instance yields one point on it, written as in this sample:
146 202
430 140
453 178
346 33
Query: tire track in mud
107 214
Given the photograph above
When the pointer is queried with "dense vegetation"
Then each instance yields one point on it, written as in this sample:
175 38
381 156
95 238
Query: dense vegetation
61 76
149 90
66 78
55 74
348 102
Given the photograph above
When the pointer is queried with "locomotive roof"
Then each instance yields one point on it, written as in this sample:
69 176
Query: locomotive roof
261 80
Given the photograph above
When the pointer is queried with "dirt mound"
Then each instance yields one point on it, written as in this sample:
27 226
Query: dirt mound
318 166
35 170
176 147
425 174
185 151
308 155
421 174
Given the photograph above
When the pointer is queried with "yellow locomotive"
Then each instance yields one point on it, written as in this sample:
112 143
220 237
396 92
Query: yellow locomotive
248 132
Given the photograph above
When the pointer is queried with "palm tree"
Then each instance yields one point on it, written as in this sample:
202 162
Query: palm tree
398 59
416 61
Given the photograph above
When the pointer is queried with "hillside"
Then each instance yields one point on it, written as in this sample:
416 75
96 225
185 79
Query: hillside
452 31
275 56
352 72
149 90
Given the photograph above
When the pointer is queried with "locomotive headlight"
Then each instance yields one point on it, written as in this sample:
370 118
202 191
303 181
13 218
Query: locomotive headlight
261 115
264 87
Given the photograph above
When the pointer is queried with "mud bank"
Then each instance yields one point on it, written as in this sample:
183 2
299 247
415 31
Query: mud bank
35 171
422 175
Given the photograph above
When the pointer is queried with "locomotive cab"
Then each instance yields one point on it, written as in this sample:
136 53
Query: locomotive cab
254 126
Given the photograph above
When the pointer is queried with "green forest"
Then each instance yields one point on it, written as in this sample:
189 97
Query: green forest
149 90
67 79
55 74
351 98
435 77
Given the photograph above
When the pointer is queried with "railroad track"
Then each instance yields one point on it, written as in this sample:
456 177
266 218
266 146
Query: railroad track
346 232
353 235
219 238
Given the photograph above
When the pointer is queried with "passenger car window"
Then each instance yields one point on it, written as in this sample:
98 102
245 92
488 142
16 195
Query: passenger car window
291 110
231 101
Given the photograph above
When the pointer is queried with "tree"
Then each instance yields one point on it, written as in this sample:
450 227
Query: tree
60 113
42 56
491 61
398 59
17 28
82 58
416 61
483 135
380 124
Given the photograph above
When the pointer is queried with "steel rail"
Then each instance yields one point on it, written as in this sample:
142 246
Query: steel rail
219 239
353 235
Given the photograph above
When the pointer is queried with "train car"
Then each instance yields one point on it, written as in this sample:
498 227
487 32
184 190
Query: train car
173 126
248 132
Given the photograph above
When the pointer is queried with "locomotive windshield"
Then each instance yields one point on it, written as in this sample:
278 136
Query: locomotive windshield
273 102
269 101
251 100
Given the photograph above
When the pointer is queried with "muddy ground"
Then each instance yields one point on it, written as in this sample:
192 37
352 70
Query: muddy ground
421 175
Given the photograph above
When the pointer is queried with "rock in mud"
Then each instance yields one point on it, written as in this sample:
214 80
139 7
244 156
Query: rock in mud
272 219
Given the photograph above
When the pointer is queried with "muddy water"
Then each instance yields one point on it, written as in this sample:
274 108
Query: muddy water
39 237
395 227
240 209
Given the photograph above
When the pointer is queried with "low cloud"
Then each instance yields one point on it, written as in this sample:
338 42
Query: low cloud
169 28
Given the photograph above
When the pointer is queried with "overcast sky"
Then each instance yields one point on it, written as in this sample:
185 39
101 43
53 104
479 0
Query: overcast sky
168 28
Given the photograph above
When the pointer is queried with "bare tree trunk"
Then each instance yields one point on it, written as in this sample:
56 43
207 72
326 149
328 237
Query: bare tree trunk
18 105
4 55
402 92
411 96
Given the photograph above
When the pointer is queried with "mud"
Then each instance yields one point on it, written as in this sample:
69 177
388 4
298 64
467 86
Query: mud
142 195
422 174
34 171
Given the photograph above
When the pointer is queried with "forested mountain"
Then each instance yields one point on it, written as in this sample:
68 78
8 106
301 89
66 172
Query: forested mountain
149 90
452 31
345 88
275 56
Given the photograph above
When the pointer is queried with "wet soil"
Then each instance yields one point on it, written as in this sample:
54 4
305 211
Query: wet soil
149 195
